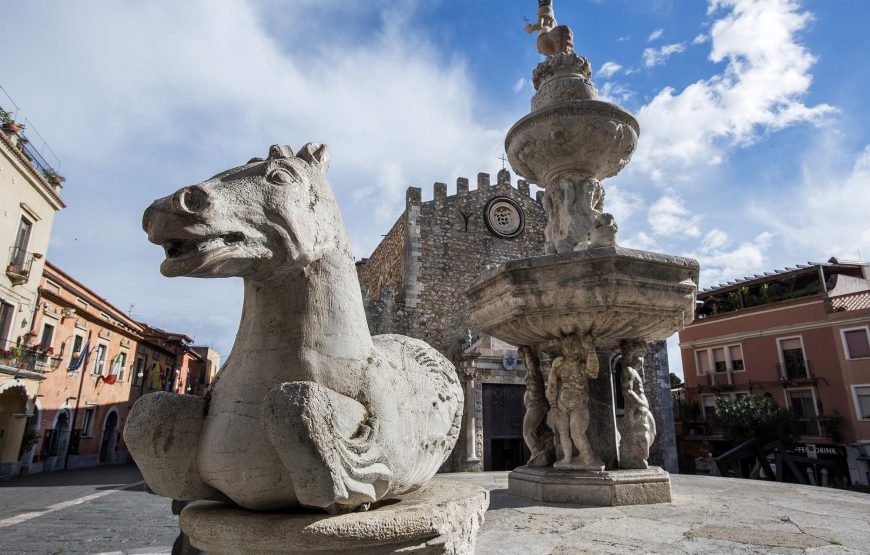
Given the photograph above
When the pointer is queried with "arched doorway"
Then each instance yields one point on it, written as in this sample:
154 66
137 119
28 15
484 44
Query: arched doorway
59 441
13 421
107 445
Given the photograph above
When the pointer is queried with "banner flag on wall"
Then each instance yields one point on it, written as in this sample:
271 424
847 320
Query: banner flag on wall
77 363
114 372
155 378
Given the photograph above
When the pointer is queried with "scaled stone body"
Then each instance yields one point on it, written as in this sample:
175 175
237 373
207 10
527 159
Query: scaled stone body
310 410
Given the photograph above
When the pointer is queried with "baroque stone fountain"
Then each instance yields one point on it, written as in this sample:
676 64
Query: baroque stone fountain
585 298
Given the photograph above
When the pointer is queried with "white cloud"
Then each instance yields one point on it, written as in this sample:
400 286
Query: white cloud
642 241
609 69
719 265
827 215
615 92
669 217
700 39
714 240
657 56
621 203
656 35
141 117
760 89
624 38
519 85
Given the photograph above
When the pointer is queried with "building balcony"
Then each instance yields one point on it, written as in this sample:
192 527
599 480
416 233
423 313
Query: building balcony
850 302
794 370
20 263
30 359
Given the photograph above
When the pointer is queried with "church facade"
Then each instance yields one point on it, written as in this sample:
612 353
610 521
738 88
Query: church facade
413 284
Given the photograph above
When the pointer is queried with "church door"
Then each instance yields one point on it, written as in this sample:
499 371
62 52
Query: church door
503 411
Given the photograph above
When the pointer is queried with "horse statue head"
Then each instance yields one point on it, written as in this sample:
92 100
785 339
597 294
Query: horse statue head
266 217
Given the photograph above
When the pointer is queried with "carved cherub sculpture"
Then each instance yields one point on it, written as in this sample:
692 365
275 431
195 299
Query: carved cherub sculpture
568 394
640 426
552 38
538 436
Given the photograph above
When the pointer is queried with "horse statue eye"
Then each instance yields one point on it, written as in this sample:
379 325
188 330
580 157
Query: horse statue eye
279 177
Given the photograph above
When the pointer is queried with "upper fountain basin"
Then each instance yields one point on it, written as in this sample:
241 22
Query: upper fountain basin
614 292
590 137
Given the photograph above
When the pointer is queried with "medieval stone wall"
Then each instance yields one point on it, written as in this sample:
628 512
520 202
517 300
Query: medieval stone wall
457 248
383 269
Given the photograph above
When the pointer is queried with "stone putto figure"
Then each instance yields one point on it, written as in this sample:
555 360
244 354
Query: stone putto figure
568 395
640 425
553 39
310 410
536 433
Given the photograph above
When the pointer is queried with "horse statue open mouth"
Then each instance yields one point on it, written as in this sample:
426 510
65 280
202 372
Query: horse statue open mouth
309 410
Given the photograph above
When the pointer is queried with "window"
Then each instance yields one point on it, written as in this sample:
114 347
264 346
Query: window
719 362
703 362
857 343
47 337
76 349
708 403
22 239
139 373
724 359
803 404
7 313
862 401
794 364
99 359
122 362
87 422
736 352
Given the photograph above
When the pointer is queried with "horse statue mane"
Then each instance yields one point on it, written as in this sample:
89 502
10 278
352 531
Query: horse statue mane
309 410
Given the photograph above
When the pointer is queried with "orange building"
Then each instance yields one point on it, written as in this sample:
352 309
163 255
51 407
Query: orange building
800 336
84 399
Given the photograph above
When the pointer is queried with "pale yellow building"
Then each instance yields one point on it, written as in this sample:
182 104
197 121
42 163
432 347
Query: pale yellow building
29 199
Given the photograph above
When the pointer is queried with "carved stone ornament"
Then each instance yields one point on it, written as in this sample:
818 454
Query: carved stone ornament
504 217
310 409
640 427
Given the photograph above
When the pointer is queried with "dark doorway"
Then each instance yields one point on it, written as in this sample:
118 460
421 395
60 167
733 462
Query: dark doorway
503 411
107 446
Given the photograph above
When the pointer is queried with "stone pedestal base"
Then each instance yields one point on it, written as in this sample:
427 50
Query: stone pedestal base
443 517
608 488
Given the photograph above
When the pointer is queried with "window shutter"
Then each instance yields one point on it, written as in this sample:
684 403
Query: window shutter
857 343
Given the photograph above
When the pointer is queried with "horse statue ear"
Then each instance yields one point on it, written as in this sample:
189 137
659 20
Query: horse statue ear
280 151
317 155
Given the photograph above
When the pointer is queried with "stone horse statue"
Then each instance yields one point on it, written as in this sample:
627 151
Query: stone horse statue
310 410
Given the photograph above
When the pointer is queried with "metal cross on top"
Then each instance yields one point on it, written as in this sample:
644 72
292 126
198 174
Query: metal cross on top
503 159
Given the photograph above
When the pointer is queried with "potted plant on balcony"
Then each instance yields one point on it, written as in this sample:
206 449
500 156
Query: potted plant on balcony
53 177
10 125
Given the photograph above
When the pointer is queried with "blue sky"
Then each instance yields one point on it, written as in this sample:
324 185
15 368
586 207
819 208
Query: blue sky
754 152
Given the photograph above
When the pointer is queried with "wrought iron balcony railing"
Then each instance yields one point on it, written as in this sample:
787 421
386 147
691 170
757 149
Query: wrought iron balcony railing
20 263
38 358
794 370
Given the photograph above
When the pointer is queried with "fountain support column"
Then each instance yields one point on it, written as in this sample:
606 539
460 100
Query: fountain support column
586 295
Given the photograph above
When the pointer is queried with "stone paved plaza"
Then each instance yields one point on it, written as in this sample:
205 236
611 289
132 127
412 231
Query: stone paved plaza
708 515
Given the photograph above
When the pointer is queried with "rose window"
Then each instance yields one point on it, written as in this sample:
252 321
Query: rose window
504 217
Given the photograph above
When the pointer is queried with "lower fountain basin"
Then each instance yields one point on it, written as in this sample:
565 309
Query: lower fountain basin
615 292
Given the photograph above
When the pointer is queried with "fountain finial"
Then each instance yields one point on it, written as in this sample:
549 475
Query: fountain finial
553 39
